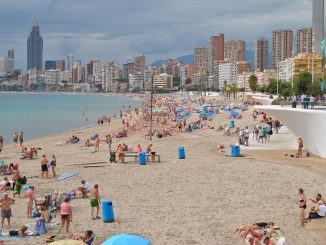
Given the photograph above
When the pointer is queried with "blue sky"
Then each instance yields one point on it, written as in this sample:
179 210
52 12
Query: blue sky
159 29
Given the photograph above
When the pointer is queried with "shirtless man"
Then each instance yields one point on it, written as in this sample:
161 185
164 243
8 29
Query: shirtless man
29 195
6 201
95 202
44 167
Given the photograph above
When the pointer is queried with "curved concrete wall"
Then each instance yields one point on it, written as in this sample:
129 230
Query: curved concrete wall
310 125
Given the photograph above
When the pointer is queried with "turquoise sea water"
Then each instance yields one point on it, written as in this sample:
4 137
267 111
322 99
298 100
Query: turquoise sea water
39 115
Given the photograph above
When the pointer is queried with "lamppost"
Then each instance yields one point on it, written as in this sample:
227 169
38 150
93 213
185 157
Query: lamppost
151 123
313 58
277 71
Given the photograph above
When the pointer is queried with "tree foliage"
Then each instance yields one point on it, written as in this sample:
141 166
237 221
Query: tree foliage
253 85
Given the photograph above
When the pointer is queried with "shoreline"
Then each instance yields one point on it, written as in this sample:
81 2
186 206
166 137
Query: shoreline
132 96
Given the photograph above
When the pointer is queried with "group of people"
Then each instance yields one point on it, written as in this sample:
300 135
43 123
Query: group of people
317 210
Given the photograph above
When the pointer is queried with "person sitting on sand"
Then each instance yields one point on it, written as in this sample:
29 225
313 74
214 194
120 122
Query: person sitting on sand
87 143
317 211
87 237
120 153
85 188
318 199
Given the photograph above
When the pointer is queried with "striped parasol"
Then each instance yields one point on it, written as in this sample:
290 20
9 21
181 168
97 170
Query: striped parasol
67 175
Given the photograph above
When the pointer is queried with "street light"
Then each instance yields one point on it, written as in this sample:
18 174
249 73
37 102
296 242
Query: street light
277 71
151 124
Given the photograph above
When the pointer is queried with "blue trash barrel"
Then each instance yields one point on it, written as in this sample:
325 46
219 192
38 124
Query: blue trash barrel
232 124
107 211
182 154
235 150
142 158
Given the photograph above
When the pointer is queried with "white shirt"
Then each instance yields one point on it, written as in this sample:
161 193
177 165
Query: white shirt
87 186
321 210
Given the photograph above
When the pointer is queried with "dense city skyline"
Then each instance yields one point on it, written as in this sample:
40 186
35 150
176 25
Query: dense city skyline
160 30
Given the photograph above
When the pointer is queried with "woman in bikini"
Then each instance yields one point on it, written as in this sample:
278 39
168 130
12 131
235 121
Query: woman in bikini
302 206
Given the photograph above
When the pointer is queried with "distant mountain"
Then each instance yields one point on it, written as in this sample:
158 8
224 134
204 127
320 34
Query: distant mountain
158 63
185 59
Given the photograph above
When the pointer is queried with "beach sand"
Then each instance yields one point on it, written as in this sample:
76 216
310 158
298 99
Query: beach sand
198 200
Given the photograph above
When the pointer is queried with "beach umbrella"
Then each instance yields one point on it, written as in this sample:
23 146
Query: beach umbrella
67 175
125 239
67 242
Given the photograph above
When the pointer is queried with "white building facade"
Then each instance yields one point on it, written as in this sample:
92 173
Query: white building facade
227 72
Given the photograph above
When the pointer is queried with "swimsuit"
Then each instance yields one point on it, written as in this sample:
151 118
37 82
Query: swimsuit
94 203
302 204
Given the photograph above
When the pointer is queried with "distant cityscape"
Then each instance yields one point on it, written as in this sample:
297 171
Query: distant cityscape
215 64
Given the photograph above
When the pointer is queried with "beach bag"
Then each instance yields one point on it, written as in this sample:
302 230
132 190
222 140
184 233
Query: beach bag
40 227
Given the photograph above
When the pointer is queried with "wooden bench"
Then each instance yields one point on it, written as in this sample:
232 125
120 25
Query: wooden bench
135 155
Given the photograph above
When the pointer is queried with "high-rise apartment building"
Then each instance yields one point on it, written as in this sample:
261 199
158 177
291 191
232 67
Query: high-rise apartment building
110 74
172 67
6 66
35 49
227 73
70 62
139 64
11 54
261 54
201 60
61 65
127 69
215 51
318 25
186 72
282 46
304 40
234 51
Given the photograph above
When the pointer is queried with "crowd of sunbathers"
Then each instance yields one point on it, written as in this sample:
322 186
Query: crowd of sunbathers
259 233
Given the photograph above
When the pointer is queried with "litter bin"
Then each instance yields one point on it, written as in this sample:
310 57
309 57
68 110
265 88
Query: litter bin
217 111
235 150
142 158
107 211
232 125
294 104
182 154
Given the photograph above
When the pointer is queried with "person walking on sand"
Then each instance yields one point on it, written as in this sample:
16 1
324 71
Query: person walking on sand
95 202
300 147
1 143
15 139
5 202
53 165
66 214
302 206
21 139
30 197
44 167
